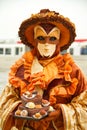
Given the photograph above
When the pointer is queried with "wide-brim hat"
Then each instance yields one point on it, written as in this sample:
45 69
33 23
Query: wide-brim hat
67 28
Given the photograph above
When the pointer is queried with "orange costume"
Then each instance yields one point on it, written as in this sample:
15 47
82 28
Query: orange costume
57 78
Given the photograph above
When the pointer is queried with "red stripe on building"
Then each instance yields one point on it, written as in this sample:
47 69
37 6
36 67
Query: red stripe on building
80 40
19 42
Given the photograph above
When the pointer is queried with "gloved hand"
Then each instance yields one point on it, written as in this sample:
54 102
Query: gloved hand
44 123
19 123
54 115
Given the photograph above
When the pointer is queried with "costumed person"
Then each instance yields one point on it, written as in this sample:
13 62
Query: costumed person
45 69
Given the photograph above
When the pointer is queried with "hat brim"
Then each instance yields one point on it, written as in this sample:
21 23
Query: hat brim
67 30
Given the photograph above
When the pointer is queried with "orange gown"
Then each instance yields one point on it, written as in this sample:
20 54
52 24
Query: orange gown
61 81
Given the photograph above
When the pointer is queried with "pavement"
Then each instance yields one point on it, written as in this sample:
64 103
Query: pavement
5 64
7 61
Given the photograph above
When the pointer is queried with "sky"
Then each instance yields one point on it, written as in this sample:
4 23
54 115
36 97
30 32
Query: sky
13 12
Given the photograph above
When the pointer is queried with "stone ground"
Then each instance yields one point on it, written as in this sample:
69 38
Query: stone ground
6 62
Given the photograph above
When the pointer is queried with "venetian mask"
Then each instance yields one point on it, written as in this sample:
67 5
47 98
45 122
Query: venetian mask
46 42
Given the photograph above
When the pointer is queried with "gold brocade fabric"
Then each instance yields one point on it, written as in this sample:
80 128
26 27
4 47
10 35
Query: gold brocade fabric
75 113
8 102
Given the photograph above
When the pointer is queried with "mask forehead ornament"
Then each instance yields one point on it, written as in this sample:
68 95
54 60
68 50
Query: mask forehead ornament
40 31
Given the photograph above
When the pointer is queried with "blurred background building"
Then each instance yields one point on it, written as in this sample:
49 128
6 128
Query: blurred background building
78 48
11 48
14 47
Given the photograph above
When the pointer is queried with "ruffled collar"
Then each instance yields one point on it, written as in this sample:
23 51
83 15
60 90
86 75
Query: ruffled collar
63 63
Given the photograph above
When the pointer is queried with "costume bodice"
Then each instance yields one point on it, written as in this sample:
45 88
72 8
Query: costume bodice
57 75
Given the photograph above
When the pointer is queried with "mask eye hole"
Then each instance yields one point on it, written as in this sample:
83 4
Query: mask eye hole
41 38
53 38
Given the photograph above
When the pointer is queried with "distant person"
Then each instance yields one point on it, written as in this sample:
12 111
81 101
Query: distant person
55 76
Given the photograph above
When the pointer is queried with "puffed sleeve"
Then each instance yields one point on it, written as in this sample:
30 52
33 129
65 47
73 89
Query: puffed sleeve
9 100
75 112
